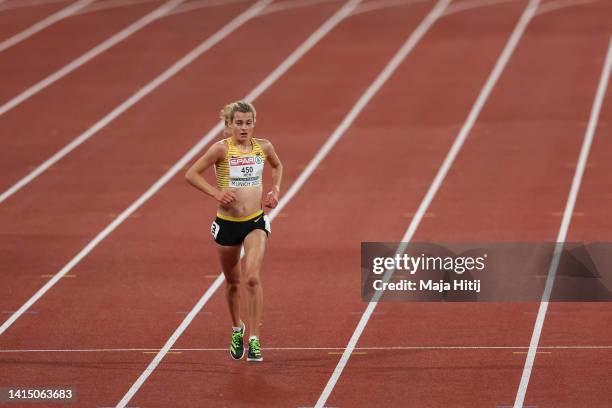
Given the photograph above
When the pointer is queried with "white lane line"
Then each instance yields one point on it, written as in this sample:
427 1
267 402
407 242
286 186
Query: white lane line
275 8
382 4
388 348
565 223
468 5
44 23
89 55
142 92
295 56
452 9
26 3
196 5
226 30
560 4
110 4
433 188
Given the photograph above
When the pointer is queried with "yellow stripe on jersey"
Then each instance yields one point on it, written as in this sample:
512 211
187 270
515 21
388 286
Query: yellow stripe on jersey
222 167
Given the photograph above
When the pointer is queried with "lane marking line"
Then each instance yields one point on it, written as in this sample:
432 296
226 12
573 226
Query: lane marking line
387 348
202 312
231 26
48 275
469 5
26 3
197 5
44 23
323 407
537 352
510 406
435 185
110 4
155 352
412 214
383 4
276 7
13 311
102 406
560 214
565 223
376 313
560 4
354 352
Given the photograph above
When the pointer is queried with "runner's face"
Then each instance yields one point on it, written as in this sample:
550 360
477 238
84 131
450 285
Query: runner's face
242 126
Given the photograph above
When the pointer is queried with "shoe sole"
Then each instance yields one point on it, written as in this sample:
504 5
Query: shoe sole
255 359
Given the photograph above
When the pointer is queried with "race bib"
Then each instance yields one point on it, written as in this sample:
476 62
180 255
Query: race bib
245 171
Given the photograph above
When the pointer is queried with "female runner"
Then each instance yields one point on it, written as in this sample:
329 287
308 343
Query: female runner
239 162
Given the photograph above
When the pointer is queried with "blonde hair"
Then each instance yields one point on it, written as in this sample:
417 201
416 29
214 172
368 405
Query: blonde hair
228 112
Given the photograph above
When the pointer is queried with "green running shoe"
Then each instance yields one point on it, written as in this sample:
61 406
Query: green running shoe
254 351
237 346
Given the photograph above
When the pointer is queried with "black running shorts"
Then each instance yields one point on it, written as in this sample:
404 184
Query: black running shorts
228 231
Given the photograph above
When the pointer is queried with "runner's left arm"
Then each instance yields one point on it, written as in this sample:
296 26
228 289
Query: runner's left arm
271 199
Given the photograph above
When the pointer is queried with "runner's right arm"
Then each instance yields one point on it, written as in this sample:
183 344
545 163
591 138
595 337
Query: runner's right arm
195 178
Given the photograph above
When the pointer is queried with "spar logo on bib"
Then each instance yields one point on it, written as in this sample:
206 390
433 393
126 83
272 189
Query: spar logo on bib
245 171
243 161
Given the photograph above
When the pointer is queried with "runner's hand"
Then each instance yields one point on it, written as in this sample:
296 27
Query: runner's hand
225 197
271 200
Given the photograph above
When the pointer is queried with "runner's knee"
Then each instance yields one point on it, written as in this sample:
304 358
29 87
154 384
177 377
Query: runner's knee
233 285
252 282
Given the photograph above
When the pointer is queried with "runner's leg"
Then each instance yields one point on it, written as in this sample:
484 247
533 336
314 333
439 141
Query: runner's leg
254 247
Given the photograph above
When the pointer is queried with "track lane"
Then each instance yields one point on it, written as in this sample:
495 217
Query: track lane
36 57
299 273
508 181
579 378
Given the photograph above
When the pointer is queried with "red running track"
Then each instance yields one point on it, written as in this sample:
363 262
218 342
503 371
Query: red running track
13 21
573 378
137 273
86 93
509 181
130 292
47 51
58 213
